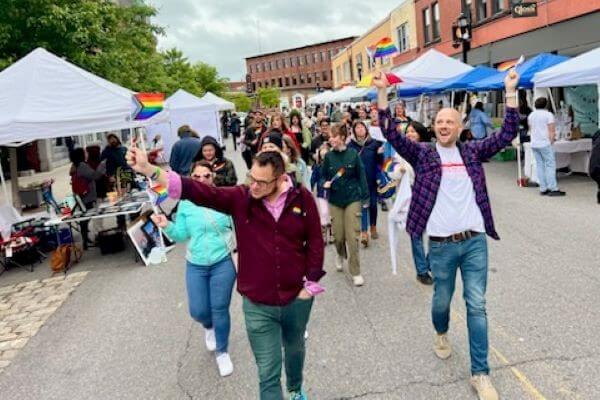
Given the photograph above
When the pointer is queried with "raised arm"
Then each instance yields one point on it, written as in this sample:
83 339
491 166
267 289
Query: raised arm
491 145
179 188
407 149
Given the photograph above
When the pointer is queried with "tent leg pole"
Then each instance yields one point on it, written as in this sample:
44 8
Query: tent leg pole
4 189
14 178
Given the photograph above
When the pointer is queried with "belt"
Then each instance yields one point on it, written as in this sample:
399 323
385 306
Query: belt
454 238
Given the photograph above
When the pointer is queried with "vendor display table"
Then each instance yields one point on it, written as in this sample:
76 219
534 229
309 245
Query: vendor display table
574 154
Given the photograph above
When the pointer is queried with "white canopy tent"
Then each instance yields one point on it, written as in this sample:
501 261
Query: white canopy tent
347 94
222 104
319 98
581 70
186 109
43 97
431 67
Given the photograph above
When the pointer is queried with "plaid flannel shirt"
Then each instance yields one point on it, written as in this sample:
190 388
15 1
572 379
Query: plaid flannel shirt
428 169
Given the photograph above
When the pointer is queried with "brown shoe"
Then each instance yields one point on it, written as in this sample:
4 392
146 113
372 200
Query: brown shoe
374 234
442 347
364 239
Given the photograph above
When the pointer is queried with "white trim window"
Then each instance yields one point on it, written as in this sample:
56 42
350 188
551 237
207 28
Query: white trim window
403 38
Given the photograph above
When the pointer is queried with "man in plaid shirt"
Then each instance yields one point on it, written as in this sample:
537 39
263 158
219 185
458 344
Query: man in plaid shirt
451 205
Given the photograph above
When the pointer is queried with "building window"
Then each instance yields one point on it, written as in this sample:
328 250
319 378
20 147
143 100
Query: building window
306 59
266 84
321 56
273 82
338 74
315 58
347 72
292 61
302 79
259 84
298 60
280 82
308 78
481 10
294 81
359 61
436 21
402 32
324 75
426 25
330 53
287 81
498 6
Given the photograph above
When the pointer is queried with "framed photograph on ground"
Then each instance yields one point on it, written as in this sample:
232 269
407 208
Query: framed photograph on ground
144 235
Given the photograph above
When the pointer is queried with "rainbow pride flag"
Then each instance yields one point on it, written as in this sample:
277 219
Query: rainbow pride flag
384 48
161 193
148 105
339 174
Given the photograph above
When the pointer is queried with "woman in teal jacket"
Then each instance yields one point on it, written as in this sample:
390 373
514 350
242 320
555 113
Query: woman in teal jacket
210 273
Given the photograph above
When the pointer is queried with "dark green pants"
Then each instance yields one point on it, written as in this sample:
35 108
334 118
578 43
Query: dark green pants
269 329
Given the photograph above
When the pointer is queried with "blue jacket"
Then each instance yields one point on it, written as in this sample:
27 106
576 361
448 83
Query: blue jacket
480 121
370 157
183 153
315 180
210 233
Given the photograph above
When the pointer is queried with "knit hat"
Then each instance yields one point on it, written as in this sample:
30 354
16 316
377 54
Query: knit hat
275 138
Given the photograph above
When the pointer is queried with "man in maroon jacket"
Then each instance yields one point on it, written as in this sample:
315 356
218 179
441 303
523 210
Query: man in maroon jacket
281 254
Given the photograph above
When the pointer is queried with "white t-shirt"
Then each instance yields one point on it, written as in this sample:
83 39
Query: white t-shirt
538 128
455 209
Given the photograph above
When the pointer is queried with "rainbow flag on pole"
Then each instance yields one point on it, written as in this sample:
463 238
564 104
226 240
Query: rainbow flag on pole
384 48
148 105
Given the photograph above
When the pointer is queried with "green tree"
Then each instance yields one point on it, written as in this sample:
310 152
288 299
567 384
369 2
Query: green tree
208 79
242 102
268 97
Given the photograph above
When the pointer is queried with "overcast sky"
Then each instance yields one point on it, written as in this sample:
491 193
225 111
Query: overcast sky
224 32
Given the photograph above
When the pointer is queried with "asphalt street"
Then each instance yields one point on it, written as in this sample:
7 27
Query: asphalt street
125 332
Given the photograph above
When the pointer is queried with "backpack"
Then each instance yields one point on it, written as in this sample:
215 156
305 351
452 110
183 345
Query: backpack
61 257
79 185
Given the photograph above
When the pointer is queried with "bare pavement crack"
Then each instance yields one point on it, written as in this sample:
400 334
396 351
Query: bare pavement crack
180 363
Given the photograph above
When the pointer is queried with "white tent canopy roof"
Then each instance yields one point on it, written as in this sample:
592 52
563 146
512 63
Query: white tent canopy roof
319 98
43 96
581 70
222 104
431 67
182 99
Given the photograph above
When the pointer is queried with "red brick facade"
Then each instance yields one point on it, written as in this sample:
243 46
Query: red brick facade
491 20
299 69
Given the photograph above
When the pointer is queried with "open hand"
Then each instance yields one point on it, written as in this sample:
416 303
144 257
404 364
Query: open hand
327 185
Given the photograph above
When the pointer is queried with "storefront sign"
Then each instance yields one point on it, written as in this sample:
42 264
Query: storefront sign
524 10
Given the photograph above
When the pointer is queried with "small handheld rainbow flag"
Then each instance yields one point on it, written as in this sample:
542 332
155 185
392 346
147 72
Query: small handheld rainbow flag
148 105
161 193
384 48
388 165
339 174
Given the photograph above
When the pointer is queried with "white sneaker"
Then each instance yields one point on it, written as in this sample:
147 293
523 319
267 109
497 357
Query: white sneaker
210 339
306 334
225 365
339 263
358 280
482 384
442 347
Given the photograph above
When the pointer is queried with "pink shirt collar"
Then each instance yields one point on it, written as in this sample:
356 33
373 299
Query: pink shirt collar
276 207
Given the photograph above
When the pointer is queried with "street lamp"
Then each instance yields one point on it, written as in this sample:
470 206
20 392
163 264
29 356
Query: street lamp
461 35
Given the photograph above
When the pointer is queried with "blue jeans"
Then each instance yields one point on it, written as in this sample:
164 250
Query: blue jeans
545 162
369 214
471 256
209 295
420 259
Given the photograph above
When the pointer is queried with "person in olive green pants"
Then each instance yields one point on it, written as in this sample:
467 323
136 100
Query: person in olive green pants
343 176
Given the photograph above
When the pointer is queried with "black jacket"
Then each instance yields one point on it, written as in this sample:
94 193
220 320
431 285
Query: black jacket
222 167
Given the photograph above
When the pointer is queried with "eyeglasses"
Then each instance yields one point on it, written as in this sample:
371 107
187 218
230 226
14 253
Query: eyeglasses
258 182
205 176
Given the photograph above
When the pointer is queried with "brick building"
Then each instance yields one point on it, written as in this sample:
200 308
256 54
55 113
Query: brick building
297 72
572 25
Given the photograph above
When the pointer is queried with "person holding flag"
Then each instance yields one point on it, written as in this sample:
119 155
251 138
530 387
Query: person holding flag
451 204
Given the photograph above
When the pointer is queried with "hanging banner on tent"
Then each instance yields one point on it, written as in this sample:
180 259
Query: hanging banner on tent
148 105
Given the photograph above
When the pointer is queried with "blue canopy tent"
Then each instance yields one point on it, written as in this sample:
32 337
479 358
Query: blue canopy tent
525 70
461 82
